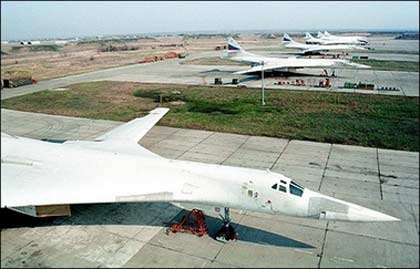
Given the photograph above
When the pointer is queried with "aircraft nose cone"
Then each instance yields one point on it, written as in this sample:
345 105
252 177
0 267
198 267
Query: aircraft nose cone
329 208
358 213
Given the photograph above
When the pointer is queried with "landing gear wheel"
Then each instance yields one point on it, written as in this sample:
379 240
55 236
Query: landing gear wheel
226 233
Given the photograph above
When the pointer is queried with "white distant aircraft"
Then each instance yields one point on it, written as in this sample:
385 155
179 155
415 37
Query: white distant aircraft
114 168
360 40
309 39
25 42
306 49
259 63
335 40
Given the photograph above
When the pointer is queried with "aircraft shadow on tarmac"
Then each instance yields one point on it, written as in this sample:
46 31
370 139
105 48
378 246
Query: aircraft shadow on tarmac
144 214
271 74
283 74
217 70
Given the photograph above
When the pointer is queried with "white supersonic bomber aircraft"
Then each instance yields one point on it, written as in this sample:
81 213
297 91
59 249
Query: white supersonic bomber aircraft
307 49
259 63
361 40
115 168
334 40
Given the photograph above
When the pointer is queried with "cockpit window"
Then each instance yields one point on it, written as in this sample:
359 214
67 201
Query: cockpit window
300 186
295 188
282 188
274 186
282 181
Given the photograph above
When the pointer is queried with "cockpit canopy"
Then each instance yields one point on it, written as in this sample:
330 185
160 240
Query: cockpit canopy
294 188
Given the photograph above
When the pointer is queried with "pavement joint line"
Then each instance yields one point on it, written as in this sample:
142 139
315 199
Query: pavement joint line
217 254
149 242
403 166
407 208
203 153
54 244
125 237
220 250
18 250
415 219
373 237
182 153
399 197
176 250
188 150
325 168
299 166
134 236
401 186
379 174
281 153
202 141
265 150
230 155
226 264
116 251
284 221
323 245
400 202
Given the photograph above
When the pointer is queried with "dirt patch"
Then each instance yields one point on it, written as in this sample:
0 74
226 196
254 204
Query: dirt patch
77 58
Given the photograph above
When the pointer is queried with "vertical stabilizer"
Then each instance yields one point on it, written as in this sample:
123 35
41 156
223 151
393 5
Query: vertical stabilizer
287 38
233 45
308 36
233 49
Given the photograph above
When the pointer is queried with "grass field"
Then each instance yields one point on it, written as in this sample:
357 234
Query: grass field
392 51
356 119
46 47
406 66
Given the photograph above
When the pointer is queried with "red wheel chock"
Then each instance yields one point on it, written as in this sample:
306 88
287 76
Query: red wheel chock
198 228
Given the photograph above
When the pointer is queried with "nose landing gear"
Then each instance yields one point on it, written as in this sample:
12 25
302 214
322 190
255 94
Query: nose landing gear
227 232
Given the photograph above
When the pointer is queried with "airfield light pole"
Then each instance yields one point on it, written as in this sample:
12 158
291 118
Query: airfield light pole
262 83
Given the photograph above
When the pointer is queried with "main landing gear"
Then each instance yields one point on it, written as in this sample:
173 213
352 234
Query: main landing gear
198 226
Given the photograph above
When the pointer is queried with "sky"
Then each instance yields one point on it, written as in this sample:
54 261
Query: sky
37 19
